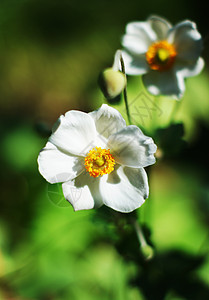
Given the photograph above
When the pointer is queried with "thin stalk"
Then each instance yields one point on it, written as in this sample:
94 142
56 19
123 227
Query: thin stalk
125 89
139 233
146 249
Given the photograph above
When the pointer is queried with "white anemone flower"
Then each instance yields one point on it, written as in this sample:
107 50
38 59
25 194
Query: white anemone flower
98 159
165 55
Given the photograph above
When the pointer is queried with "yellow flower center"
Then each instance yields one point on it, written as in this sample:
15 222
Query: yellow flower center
161 56
99 162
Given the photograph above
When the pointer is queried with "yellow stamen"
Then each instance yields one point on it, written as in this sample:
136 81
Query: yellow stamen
161 55
99 162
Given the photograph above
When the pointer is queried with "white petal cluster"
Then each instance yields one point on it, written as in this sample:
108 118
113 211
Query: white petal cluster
187 42
74 135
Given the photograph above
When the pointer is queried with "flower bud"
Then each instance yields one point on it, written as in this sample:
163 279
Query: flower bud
147 252
112 83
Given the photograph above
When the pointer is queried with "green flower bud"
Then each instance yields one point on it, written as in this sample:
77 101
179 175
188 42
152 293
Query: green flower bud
147 252
112 83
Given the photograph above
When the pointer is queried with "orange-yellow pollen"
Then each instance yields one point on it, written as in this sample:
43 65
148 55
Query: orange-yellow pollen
161 56
99 162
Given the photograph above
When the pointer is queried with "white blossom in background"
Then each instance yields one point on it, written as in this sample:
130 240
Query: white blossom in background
163 54
96 156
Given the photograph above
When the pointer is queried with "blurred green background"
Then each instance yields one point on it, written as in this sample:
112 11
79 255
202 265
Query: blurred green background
51 53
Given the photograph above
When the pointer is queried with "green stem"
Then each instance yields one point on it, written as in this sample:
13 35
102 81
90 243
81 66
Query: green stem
146 249
125 90
139 233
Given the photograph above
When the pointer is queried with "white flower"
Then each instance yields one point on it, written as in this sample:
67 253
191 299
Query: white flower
164 54
99 159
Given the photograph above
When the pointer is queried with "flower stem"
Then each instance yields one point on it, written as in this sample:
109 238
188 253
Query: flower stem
125 89
139 233
146 249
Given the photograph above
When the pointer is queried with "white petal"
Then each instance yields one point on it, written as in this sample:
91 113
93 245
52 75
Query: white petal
56 166
143 31
187 40
135 44
130 147
188 69
160 26
74 133
83 192
135 65
139 36
124 189
107 120
116 63
166 83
